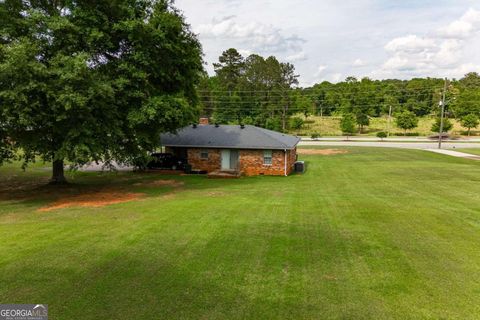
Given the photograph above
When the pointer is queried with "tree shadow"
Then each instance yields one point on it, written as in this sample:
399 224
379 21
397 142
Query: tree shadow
99 185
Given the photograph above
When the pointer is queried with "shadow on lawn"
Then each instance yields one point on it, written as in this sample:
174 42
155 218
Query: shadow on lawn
125 286
101 189
246 273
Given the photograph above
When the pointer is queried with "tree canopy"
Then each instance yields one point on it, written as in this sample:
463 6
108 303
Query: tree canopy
253 90
406 120
93 80
347 124
470 121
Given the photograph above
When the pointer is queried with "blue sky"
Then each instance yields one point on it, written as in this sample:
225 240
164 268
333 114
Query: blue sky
333 39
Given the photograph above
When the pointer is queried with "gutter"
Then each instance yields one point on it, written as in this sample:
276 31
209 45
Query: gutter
285 161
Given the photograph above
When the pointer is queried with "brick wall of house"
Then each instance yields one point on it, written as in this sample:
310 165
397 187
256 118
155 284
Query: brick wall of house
251 162
291 159
213 163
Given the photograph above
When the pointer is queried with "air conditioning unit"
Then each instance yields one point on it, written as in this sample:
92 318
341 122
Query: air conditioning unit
300 166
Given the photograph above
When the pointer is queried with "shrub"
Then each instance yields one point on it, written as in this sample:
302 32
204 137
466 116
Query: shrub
382 135
273 124
315 135
296 123
248 120
408 134
447 125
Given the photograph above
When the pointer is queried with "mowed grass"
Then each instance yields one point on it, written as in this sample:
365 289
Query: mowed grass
370 234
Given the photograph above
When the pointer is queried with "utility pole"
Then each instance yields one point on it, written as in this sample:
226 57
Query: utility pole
440 136
321 120
389 120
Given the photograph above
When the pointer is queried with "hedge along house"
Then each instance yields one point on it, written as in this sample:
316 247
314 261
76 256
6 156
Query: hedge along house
237 149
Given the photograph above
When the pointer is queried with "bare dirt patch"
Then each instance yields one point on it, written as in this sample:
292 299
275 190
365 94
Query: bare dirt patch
160 183
95 200
216 194
322 152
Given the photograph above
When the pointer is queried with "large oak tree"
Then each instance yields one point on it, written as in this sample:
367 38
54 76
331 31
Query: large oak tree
84 80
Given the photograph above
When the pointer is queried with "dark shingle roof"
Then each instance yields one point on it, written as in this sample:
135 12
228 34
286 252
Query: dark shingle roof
233 137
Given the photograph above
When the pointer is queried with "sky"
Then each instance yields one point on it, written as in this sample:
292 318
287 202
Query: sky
329 40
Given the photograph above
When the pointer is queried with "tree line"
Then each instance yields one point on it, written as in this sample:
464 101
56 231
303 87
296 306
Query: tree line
264 92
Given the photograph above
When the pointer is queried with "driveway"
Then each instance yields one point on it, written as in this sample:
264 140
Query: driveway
455 154
95 167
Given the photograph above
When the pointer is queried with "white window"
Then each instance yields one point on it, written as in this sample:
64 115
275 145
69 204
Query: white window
267 157
204 154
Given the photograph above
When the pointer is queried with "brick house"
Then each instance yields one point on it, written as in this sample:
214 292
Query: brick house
245 150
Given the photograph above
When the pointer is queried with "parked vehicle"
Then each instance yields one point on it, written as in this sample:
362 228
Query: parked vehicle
166 161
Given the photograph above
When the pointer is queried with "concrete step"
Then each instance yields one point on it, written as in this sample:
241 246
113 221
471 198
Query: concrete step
224 175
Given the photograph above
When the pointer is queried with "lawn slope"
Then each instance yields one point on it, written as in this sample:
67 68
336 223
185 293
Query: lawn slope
370 234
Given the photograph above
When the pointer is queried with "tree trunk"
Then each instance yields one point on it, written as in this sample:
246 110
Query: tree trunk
469 131
58 176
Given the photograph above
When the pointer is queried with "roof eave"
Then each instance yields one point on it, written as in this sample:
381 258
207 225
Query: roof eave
230 147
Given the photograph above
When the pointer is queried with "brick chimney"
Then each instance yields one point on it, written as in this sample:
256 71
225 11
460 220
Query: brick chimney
203 121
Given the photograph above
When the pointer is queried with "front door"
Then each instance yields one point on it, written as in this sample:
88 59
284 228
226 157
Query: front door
229 160
234 160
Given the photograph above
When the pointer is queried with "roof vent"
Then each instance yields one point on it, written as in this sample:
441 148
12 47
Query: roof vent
217 125
242 126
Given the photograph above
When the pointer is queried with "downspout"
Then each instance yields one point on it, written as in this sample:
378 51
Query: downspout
285 162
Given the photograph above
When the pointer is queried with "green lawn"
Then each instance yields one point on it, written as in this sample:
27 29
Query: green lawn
371 234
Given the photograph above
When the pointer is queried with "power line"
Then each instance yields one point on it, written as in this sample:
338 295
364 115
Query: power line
322 89
344 94
253 105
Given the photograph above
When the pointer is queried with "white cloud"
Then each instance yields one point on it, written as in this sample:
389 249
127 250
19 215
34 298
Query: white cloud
464 27
245 52
300 56
466 68
396 63
258 36
359 63
321 75
441 53
336 77
320 70
410 44
449 53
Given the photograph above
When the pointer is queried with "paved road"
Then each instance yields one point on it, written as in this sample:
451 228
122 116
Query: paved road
391 139
403 145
